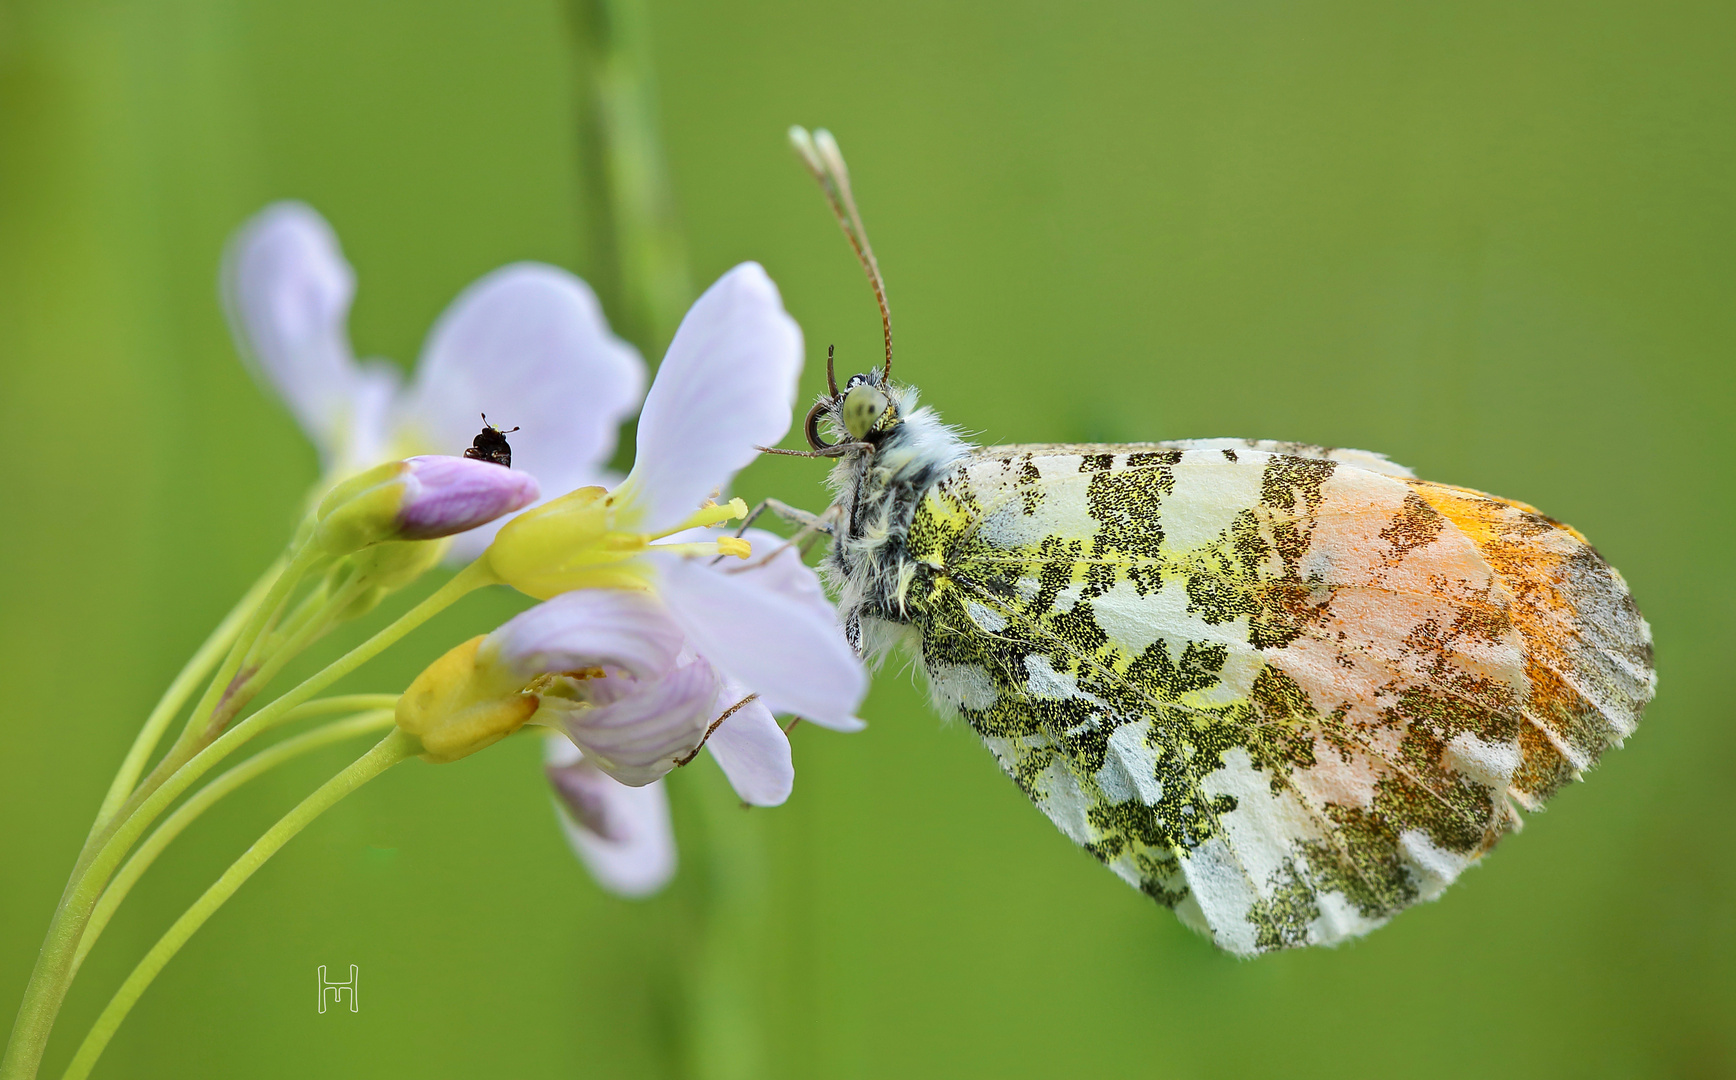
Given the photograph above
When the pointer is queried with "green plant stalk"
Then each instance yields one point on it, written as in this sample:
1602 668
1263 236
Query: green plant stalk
221 700
52 973
641 229
726 1038
179 691
304 633
394 748
299 563
235 696
279 626
207 797
341 703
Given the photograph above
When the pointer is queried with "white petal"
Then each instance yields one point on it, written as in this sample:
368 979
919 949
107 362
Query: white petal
638 858
529 346
789 651
287 291
640 736
753 750
373 400
612 628
776 565
727 384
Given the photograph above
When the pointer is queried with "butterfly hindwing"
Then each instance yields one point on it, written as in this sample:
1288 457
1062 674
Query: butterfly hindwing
1286 691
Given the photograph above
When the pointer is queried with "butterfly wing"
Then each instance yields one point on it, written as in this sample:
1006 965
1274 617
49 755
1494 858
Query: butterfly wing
1284 692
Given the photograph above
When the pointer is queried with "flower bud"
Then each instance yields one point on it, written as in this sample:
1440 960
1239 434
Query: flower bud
420 498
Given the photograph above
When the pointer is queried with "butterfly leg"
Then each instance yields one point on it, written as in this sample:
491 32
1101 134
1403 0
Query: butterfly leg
811 524
815 527
792 514
715 724
820 528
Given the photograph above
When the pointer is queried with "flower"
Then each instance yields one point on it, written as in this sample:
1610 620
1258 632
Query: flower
726 387
612 671
605 666
759 621
526 344
622 832
647 646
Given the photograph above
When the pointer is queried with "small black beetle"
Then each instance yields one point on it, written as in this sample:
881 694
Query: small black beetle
491 445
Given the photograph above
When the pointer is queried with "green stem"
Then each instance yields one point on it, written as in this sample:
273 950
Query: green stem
179 690
51 976
259 612
638 217
221 694
394 748
305 632
207 797
341 703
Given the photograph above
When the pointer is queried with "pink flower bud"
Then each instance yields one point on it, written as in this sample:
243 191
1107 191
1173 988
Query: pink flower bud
447 495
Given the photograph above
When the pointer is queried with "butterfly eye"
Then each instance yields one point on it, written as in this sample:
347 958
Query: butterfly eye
863 405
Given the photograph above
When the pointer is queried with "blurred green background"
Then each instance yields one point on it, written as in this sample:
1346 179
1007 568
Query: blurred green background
1495 241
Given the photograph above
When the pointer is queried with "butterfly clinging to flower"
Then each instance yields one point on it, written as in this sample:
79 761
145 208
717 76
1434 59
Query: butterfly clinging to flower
1282 689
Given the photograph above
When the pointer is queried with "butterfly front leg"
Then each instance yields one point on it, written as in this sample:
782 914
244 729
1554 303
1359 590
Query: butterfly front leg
816 523
814 527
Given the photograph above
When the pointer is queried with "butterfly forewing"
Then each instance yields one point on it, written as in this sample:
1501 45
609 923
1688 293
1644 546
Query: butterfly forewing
1286 691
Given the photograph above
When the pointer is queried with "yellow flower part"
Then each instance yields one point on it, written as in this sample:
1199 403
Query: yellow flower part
586 539
457 706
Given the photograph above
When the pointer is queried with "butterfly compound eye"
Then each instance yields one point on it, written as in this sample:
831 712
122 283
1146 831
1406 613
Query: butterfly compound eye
863 405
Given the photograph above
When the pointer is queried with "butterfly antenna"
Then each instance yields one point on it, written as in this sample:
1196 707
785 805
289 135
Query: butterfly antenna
831 374
820 153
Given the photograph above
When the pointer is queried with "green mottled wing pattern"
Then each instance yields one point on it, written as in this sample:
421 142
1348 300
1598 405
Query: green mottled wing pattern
1283 690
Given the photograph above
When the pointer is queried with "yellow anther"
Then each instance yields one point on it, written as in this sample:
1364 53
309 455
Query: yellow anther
734 545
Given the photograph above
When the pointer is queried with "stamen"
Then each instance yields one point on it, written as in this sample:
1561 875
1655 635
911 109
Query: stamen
727 545
709 514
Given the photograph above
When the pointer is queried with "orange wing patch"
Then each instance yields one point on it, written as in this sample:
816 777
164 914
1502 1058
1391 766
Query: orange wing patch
1588 653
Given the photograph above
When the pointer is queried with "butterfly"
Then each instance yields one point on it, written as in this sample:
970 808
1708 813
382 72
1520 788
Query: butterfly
1282 689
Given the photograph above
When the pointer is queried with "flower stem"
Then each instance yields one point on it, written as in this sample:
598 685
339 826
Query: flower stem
637 206
296 567
176 696
52 974
308 630
395 747
205 798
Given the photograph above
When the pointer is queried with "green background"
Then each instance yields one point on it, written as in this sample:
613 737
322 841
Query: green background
1494 241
